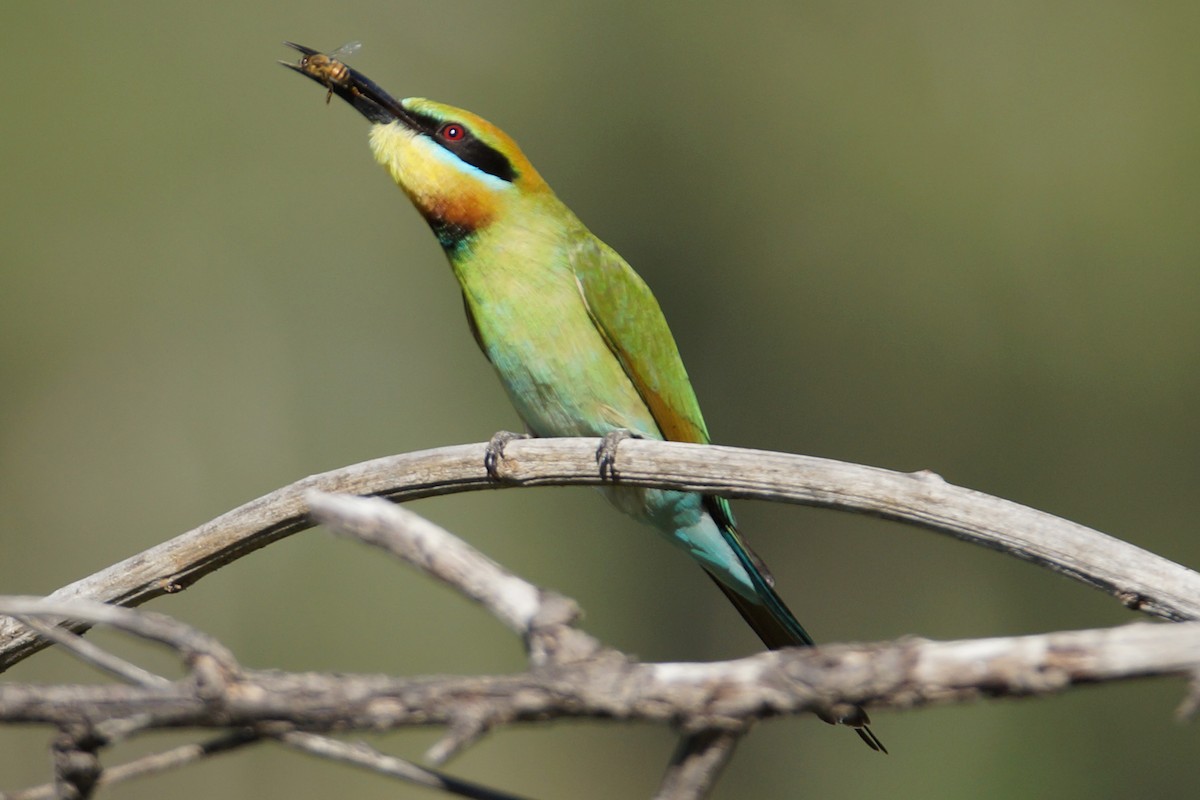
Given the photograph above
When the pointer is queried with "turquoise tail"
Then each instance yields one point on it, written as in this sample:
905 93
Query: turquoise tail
769 617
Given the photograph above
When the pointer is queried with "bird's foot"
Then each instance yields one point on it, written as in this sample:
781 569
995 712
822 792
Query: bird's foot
494 454
606 454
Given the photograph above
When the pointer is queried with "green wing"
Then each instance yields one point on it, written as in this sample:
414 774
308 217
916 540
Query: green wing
627 315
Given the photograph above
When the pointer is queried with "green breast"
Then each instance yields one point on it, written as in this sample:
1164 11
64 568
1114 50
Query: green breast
534 327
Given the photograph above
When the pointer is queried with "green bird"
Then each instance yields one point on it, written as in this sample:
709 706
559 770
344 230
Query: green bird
578 340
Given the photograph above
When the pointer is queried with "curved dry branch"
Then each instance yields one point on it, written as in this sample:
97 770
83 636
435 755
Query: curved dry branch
1139 579
571 675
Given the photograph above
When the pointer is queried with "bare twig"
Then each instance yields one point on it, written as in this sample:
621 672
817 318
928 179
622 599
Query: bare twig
167 760
1139 579
362 755
96 656
697 764
460 733
76 765
432 549
148 625
541 618
1191 703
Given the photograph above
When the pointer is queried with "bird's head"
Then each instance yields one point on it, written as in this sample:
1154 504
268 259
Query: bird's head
459 170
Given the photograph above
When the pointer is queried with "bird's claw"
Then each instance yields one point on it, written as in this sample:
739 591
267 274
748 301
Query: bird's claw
494 454
606 454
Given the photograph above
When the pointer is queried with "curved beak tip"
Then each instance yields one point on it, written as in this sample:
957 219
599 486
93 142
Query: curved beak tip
347 83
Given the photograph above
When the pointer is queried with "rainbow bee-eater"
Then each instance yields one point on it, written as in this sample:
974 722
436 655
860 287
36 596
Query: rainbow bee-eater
578 340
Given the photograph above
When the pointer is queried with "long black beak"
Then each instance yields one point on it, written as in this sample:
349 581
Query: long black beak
349 84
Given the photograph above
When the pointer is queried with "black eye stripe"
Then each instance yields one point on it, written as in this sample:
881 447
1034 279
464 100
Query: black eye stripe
482 156
468 148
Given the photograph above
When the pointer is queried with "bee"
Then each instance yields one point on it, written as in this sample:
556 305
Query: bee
328 68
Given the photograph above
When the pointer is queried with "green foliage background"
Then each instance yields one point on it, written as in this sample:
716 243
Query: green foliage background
950 236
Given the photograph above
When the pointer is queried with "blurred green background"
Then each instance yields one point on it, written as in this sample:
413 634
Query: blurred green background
932 235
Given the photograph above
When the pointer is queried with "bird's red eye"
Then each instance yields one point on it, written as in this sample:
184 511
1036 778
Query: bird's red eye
452 132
